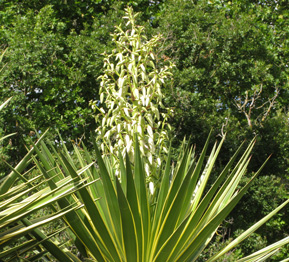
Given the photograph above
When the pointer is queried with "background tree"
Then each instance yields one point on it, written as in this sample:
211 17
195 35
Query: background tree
231 73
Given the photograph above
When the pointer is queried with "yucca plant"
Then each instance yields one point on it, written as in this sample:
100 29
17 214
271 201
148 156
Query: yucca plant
117 219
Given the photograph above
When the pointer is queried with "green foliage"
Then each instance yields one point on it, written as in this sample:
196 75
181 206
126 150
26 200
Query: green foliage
231 61
39 72
130 90
50 79
266 193
219 242
3 149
